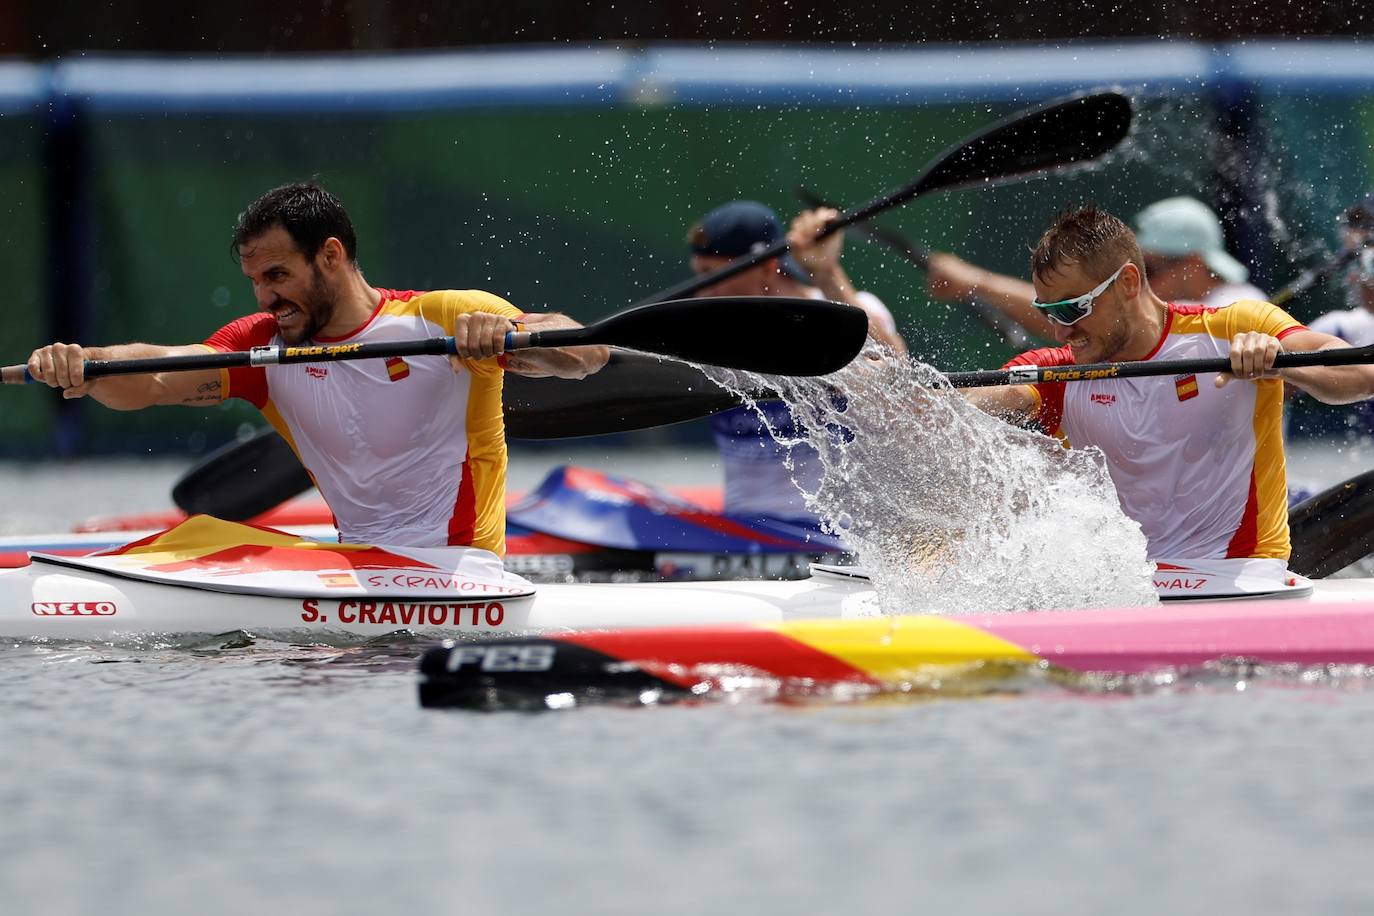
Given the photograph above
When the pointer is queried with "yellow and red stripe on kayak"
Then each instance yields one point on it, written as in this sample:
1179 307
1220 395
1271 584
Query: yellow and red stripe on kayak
871 651
894 650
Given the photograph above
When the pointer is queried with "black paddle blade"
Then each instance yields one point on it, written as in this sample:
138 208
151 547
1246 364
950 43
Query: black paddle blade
774 335
1332 529
1071 132
1066 133
632 391
242 479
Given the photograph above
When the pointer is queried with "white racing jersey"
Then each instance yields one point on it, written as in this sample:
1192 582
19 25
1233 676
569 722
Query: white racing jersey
406 452
1201 469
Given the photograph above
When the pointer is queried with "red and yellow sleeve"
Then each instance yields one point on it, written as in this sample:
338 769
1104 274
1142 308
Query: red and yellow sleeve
1253 315
466 301
246 382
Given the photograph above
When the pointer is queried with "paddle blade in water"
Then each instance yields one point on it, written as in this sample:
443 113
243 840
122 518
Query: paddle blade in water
1332 529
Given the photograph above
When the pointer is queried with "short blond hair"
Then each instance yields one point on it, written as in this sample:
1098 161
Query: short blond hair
1087 236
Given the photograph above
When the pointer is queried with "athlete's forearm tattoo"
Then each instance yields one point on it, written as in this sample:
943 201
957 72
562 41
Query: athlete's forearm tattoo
206 393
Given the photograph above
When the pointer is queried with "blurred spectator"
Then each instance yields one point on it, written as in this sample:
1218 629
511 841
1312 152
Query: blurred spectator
1354 325
758 481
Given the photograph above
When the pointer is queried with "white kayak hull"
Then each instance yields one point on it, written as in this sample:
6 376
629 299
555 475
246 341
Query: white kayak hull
209 576
52 600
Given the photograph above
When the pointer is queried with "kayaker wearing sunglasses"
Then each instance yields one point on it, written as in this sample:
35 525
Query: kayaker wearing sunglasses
1197 460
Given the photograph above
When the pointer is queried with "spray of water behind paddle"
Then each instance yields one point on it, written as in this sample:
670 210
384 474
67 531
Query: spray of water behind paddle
954 511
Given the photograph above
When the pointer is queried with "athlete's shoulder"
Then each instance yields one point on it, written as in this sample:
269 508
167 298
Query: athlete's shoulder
446 304
1226 321
477 300
1045 356
1258 315
255 330
400 295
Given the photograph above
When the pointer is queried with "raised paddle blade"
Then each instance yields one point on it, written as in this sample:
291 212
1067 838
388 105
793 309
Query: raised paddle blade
242 479
1031 143
1066 133
774 335
1333 529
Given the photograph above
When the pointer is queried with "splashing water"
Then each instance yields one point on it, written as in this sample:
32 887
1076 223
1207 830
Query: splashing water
951 510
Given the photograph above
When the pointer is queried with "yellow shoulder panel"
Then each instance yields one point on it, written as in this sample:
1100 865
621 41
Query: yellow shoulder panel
1238 317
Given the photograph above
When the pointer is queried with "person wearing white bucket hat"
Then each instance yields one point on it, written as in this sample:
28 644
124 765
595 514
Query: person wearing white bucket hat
1185 255
1186 263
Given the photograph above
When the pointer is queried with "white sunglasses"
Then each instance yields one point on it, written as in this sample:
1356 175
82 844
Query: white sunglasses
1071 311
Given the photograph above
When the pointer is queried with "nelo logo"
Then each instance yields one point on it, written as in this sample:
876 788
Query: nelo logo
73 608
1107 399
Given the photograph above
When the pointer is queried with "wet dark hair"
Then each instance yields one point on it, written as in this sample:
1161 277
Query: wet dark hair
1087 236
307 212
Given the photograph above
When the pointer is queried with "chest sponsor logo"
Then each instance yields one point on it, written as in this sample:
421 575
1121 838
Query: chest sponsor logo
317 371
297 353
1071 375
73 608
1185 386
1105 400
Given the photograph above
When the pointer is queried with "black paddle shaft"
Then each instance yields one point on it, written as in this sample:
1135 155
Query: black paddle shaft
1034 375
1046 139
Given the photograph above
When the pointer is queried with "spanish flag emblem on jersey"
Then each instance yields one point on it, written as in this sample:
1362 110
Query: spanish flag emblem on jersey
397 368
1185 386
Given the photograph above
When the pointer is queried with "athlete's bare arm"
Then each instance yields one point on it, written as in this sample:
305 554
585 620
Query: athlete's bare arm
563 362
1013 403
950 278
62 366
821 259
1253 354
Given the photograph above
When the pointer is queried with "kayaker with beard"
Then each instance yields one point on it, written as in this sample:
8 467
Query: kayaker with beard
406 452
1180 239
1197 460
759 482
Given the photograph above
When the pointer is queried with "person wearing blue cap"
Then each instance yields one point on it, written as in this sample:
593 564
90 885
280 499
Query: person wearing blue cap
1186 263
762 477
